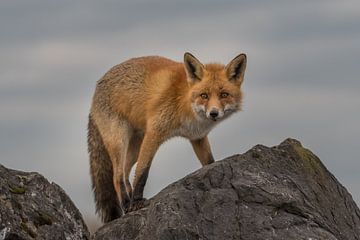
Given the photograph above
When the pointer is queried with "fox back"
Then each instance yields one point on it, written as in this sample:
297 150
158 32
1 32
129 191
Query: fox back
196 96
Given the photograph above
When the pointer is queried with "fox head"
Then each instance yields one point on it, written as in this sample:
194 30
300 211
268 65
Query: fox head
214 88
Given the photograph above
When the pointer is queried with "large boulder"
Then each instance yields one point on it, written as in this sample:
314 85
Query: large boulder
33 208
281 192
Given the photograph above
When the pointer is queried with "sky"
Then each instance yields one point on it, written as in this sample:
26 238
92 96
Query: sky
301 79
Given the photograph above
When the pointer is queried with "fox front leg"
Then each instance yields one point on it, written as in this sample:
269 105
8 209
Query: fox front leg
202 150
147 152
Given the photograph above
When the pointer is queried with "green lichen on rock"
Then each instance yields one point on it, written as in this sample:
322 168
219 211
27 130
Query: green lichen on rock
43 219
310 161
28 229
17 189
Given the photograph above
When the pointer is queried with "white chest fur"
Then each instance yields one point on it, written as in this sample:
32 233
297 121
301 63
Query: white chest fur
195 129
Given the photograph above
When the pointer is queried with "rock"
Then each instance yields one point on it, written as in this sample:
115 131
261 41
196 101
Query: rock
282 192
33 208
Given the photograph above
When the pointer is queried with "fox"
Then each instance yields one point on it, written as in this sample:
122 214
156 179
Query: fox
143 102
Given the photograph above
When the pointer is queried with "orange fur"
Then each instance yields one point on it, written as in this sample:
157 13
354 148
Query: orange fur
145 101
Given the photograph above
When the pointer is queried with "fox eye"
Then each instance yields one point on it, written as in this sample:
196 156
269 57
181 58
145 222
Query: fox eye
224 95
204 96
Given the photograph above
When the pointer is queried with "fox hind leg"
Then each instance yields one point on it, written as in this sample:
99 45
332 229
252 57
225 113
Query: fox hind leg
116 135
107 204
131 158
149 146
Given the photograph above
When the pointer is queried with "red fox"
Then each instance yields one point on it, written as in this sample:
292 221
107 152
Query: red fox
141 103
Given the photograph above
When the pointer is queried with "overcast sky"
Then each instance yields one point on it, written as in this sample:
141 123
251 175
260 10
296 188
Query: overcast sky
302 79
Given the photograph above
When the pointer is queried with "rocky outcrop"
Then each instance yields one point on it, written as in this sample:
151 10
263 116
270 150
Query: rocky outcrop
281 192
33 208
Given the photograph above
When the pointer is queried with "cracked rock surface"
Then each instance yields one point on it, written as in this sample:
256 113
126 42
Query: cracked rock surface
281 192
33 208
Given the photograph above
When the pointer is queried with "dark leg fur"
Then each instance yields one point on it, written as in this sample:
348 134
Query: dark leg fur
140 185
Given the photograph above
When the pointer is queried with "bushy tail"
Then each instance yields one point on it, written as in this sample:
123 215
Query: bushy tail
107 205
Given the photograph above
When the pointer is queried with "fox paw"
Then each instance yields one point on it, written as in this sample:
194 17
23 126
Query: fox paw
125 206
137 204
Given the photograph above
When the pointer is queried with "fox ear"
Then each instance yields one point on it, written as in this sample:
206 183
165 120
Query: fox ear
235 70
193 67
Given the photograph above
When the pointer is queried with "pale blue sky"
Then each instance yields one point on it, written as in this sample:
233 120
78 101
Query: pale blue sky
302 79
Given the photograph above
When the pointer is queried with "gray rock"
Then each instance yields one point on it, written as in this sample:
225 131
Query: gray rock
33 208
282 192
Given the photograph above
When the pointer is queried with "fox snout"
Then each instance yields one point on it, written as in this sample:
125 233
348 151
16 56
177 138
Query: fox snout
214 113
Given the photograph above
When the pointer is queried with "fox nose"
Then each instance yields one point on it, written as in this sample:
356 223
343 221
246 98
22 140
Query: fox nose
214 113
